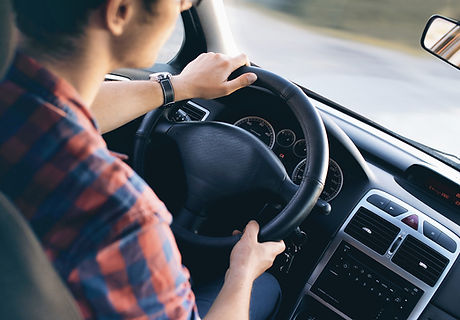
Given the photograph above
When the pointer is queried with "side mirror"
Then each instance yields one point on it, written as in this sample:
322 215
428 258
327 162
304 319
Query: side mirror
441 38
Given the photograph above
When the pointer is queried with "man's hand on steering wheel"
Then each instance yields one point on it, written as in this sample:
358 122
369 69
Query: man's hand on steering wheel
207 77
250 258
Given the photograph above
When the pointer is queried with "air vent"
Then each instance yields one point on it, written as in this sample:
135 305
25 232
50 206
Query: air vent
190 111
115 77
372 230
420 260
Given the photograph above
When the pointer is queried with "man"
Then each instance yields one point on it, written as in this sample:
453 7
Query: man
103 228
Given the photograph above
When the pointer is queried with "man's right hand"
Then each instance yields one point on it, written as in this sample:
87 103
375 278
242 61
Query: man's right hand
250 258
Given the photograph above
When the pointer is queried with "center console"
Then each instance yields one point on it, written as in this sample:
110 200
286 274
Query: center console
386 262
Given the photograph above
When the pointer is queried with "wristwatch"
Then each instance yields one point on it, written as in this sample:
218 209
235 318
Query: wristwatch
164 79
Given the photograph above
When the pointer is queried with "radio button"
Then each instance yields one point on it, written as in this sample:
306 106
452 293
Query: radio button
378 201
431 231
394 209
446 242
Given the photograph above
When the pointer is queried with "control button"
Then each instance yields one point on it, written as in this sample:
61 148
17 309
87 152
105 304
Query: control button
394 209
378 201
446 242
430 231
411 221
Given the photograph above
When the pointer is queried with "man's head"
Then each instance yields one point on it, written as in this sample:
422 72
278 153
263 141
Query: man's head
134 30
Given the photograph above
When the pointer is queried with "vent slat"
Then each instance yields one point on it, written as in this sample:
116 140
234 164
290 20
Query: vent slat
420 260
194 113
435 260
371 219
378 237
372 230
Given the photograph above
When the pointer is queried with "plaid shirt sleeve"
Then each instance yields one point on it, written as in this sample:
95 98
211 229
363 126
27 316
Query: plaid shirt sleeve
139 276
103 228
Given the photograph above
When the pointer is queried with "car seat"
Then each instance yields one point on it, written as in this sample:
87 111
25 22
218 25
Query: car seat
29 286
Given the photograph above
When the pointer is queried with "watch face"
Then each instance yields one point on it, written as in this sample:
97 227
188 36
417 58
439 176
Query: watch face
160 76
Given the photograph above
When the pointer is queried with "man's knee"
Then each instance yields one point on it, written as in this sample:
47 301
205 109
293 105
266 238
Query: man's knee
265 298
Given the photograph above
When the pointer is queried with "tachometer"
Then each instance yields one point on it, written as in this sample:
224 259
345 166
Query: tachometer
334 179
259 127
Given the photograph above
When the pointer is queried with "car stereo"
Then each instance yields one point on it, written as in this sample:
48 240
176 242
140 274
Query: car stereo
386 262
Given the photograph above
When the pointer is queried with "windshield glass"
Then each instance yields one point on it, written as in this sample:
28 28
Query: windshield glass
365 55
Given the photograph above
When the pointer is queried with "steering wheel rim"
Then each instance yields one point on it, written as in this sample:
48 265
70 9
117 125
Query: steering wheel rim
303 199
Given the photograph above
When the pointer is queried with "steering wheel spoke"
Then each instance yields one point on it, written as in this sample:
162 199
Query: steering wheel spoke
288 189
189 220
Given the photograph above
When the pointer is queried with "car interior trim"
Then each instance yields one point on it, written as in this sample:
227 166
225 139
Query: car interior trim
385 259
115 77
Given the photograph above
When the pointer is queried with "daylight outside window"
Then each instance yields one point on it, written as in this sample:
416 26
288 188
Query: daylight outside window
364 55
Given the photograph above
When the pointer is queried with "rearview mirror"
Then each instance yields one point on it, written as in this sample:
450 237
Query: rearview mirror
441 38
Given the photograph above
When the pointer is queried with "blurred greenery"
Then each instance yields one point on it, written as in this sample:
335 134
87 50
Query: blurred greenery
400 21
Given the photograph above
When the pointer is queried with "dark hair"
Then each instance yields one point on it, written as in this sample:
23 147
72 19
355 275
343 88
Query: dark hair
53 25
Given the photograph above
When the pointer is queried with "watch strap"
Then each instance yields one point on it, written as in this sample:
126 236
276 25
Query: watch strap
168 90
164 79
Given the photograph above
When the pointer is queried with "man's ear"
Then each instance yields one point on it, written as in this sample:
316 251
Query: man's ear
117 14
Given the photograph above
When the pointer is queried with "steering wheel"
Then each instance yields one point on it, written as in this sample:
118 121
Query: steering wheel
221 160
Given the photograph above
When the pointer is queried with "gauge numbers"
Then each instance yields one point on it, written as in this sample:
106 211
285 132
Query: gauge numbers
334 179
259 127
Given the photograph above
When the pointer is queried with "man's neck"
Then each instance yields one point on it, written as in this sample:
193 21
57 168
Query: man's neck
84 71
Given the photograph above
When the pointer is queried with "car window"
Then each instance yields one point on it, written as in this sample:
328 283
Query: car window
173 45
365 55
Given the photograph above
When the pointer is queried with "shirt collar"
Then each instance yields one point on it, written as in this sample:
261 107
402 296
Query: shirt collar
34 77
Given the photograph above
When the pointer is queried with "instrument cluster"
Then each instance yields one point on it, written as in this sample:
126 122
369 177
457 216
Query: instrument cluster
291 149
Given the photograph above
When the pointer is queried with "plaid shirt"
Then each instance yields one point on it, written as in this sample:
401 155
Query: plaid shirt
103 228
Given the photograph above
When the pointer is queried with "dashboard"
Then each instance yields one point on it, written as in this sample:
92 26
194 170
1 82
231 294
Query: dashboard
388 249
283 136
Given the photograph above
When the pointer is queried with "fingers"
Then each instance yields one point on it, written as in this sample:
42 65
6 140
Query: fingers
239 61
251 231
275 247
185 5
236 232
242 81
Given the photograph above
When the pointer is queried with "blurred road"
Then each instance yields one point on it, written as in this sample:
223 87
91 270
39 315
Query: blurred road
417 96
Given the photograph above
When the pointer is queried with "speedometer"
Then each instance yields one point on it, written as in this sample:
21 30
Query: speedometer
334 179
259 127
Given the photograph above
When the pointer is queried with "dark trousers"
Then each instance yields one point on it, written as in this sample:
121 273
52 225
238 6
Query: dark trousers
265 297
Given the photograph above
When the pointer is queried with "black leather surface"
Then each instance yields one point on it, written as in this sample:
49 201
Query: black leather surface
447 297
29 286
221 160
433 313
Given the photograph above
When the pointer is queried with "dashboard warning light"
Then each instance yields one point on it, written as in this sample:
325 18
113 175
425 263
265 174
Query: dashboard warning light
281 155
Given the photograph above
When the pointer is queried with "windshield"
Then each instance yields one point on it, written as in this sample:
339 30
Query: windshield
365 55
